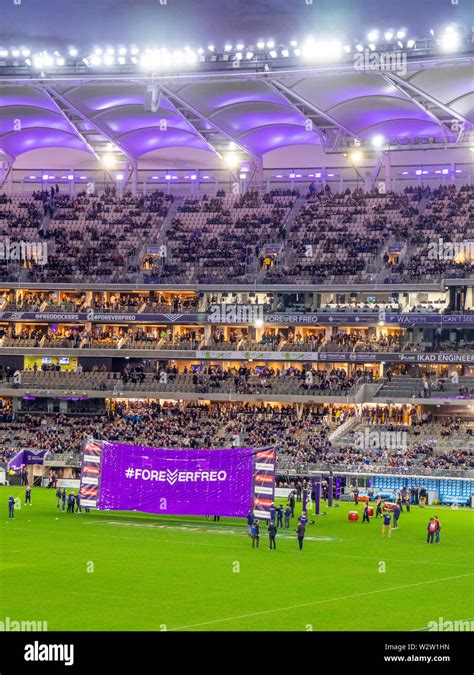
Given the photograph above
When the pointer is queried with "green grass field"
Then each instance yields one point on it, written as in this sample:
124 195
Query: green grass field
175 573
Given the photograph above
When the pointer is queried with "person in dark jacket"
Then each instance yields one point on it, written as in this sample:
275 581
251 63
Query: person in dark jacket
300 534
279 512
11 506
291 500
365 515
272 532
287 516
378 508
250 520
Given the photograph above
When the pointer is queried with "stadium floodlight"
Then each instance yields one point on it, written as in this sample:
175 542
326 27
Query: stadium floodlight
320 51
3 53
260 44
347 49
25 53
15 53
28 62
200 51
110 51
294 43
122 51
134 60
401 34
239 56
232 160
270 44
378 141
356 156
297 52
47 59
60 61
249 55
108 60
273 53
227 47
359 47
121 60
134 51
373 35
95 60
108 161
211 48
388 35
400 44
285 53
98 51
372 46
411 44
240 46
73 52
449 40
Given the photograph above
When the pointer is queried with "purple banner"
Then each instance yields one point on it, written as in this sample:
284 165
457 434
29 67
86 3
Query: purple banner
183 481
25 457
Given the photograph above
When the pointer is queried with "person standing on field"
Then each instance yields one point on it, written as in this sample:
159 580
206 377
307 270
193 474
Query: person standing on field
431 531
386 526
438 529
365 515
287 516
255 534
272 532
300 534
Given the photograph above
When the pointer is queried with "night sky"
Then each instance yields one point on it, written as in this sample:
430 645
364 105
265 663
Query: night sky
83 23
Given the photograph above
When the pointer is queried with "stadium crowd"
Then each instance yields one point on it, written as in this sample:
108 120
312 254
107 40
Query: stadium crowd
297 436
334 236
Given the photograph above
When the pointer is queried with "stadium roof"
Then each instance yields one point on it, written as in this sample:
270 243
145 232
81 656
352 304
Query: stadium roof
257 112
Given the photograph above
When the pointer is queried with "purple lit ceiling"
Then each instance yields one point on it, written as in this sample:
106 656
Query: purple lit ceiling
258 114
30 120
